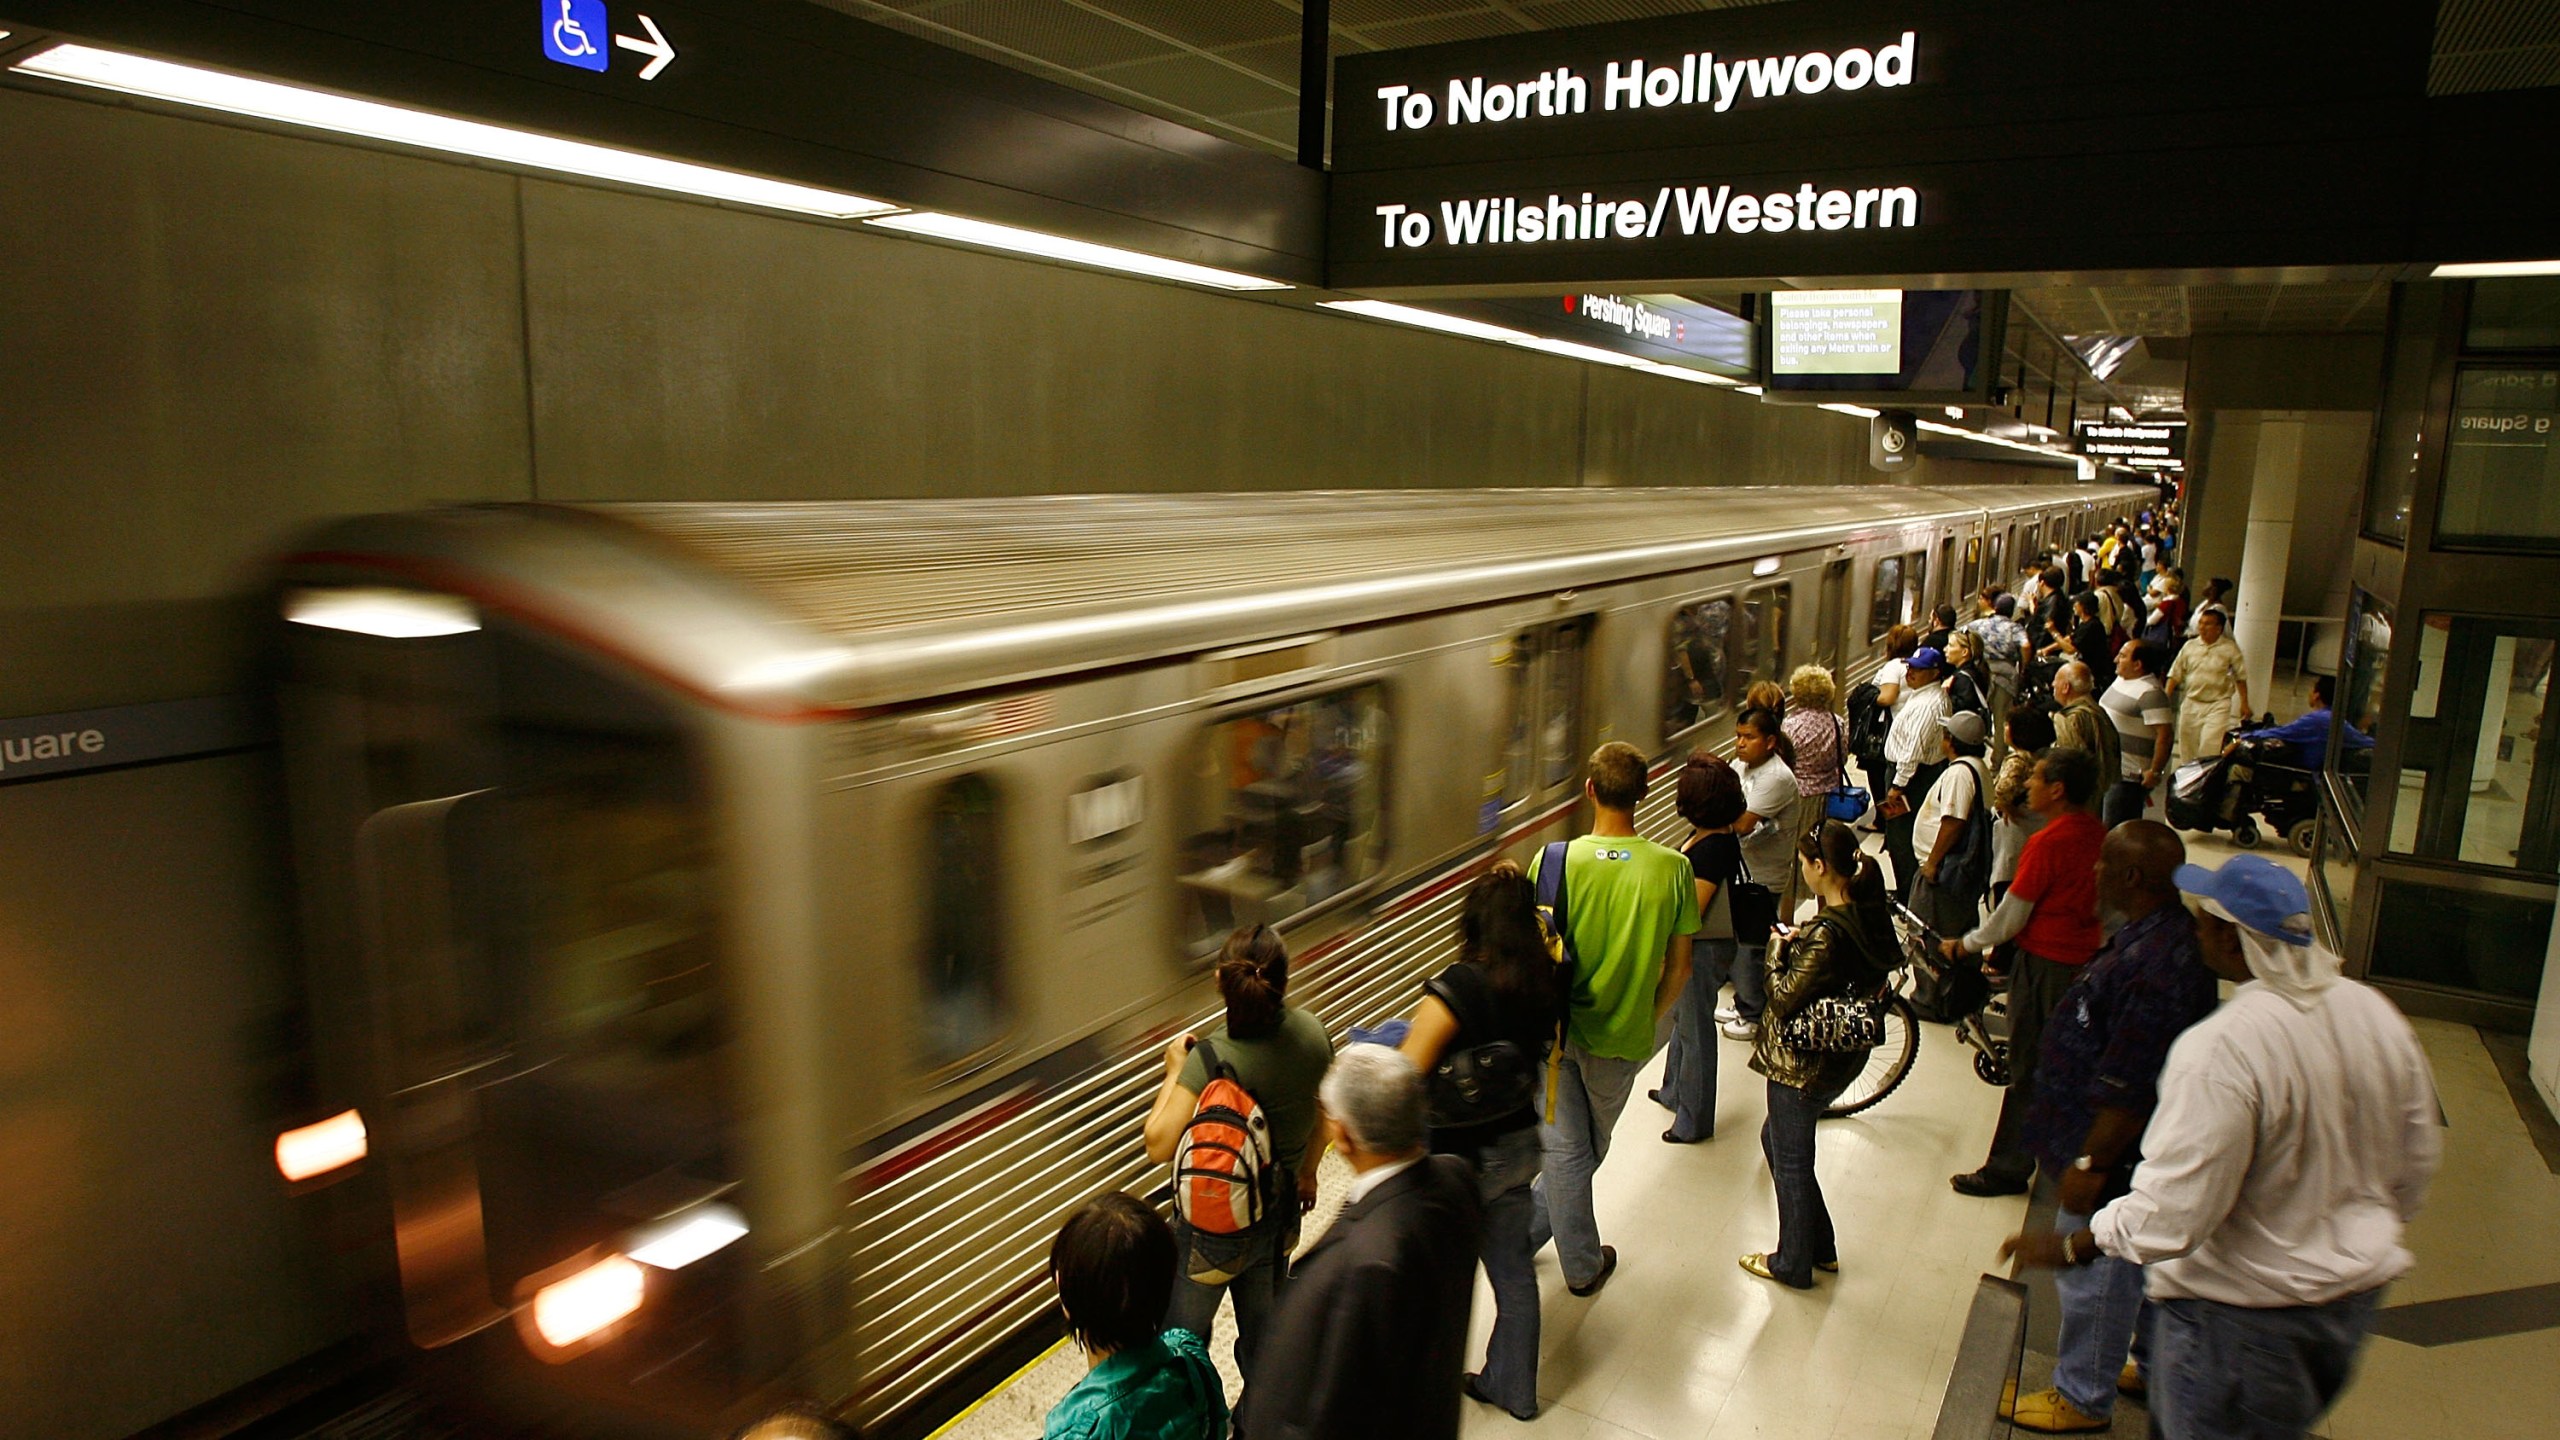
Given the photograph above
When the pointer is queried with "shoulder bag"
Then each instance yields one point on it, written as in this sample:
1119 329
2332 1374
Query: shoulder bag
1755 907
1835 1024
1845 803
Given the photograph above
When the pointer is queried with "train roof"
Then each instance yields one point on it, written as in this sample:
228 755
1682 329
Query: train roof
820 607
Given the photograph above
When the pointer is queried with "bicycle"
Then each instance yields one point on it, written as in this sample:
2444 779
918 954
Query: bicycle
1889 1064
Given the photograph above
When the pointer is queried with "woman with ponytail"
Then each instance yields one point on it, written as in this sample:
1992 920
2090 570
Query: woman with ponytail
1279 1054
1847 950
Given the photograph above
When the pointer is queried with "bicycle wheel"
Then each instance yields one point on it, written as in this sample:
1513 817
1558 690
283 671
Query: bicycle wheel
1887 1064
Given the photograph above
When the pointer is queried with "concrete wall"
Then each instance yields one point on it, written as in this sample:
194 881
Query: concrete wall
2335 450
214 337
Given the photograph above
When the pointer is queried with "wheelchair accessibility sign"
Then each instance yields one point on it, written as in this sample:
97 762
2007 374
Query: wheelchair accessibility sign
580 33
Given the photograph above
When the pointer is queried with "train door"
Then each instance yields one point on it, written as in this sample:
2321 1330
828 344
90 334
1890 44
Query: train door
1546 729
1833 621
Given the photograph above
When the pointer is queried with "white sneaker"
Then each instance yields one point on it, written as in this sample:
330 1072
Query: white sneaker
1741 1029
1726 1014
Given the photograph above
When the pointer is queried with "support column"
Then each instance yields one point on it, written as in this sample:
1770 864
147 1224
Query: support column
2267 549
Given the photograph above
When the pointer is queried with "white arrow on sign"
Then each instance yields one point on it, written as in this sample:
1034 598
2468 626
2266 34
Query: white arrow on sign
655 46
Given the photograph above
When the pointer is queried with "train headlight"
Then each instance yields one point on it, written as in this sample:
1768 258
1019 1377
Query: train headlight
579 1307
688 1237
315 1150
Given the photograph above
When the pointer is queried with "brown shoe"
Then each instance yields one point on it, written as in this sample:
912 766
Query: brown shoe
2047 1413
2129 1381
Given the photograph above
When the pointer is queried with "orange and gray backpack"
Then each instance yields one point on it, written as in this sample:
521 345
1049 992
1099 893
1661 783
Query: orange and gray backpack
1224 1163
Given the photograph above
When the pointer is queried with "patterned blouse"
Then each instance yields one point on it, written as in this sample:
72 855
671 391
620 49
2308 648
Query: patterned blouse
1816 736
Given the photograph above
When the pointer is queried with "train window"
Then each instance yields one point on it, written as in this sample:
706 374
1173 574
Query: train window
2030 548
962 975
1972 571
1760 641
1290 804
1995 553
1884 602
1695 683
1915 586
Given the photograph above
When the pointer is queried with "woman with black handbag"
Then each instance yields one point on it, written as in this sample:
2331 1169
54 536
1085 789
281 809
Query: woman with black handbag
1481 1039
1824 1015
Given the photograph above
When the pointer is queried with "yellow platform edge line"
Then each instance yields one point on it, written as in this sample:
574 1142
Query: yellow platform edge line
1034 1363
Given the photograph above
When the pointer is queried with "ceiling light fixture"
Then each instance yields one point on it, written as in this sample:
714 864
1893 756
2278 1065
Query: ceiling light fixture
1078 252
373 120
2495 269
1459 325
382 612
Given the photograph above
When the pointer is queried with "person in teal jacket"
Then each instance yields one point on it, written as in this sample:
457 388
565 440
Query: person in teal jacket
1113 1264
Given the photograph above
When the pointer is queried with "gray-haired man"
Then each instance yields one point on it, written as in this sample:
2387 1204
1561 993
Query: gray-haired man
1372 1330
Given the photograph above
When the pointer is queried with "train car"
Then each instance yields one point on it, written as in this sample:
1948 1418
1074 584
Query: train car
738 934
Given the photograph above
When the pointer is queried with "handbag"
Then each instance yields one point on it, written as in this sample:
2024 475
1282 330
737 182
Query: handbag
1755 909
1844 802
1835 1024
1485 1081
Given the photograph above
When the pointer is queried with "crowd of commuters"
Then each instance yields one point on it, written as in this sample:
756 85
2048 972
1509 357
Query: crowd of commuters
2229 1182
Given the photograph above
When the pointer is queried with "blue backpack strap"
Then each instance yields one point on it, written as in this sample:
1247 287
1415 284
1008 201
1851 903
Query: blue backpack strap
1551 897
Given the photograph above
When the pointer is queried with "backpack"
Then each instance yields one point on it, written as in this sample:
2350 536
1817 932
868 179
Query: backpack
1866 717
1482 1082
1223 1166
1966 870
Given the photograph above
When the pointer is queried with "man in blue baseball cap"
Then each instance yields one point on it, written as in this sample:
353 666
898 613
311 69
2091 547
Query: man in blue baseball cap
2295 1133
1914 754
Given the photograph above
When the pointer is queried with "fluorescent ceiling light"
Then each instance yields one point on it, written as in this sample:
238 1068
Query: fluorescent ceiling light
2493 269
688 1237
390 614
1843 408
1429 320
295 105
1079 252
1504 335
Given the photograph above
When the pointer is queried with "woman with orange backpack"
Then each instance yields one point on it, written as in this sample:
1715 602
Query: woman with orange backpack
1236 1118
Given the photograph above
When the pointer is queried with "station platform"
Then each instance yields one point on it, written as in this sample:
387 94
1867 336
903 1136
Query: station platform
1682 1343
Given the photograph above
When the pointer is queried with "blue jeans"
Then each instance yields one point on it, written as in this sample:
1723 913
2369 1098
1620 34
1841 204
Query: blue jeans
1589 1096
2101 1311
1505 1175
2224 1372
1750 966
1805 1238
1689 1067
1255 1286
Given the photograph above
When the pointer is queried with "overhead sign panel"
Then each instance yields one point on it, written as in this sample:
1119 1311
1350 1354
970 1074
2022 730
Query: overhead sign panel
2134 445
1880 137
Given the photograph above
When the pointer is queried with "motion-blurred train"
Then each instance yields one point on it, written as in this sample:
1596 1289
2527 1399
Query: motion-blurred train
740 933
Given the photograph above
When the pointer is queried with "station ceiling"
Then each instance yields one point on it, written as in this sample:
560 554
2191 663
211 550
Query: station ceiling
1230 68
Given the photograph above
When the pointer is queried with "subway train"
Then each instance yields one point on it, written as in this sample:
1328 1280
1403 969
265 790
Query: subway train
738 934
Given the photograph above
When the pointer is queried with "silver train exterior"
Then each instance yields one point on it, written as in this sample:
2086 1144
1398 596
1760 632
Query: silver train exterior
840 869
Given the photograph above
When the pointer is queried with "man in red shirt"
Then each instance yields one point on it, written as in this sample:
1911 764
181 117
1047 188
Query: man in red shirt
2051 911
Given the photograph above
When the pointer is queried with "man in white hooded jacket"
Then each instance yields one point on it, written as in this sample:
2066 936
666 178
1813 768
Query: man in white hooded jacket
2295 1135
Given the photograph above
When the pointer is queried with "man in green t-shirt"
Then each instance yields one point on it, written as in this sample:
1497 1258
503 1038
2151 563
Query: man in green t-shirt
1632 907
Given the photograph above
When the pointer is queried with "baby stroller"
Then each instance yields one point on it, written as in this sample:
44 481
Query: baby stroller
2249 780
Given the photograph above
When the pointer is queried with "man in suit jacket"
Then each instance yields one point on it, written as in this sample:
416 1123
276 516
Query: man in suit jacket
1370 1337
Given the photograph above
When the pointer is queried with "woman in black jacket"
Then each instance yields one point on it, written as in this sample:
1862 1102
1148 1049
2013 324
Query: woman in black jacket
1504 991
1846 950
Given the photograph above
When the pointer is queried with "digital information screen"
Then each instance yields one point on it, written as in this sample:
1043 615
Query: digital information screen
1835 332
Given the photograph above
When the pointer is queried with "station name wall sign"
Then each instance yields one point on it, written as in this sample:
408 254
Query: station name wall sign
1870 138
